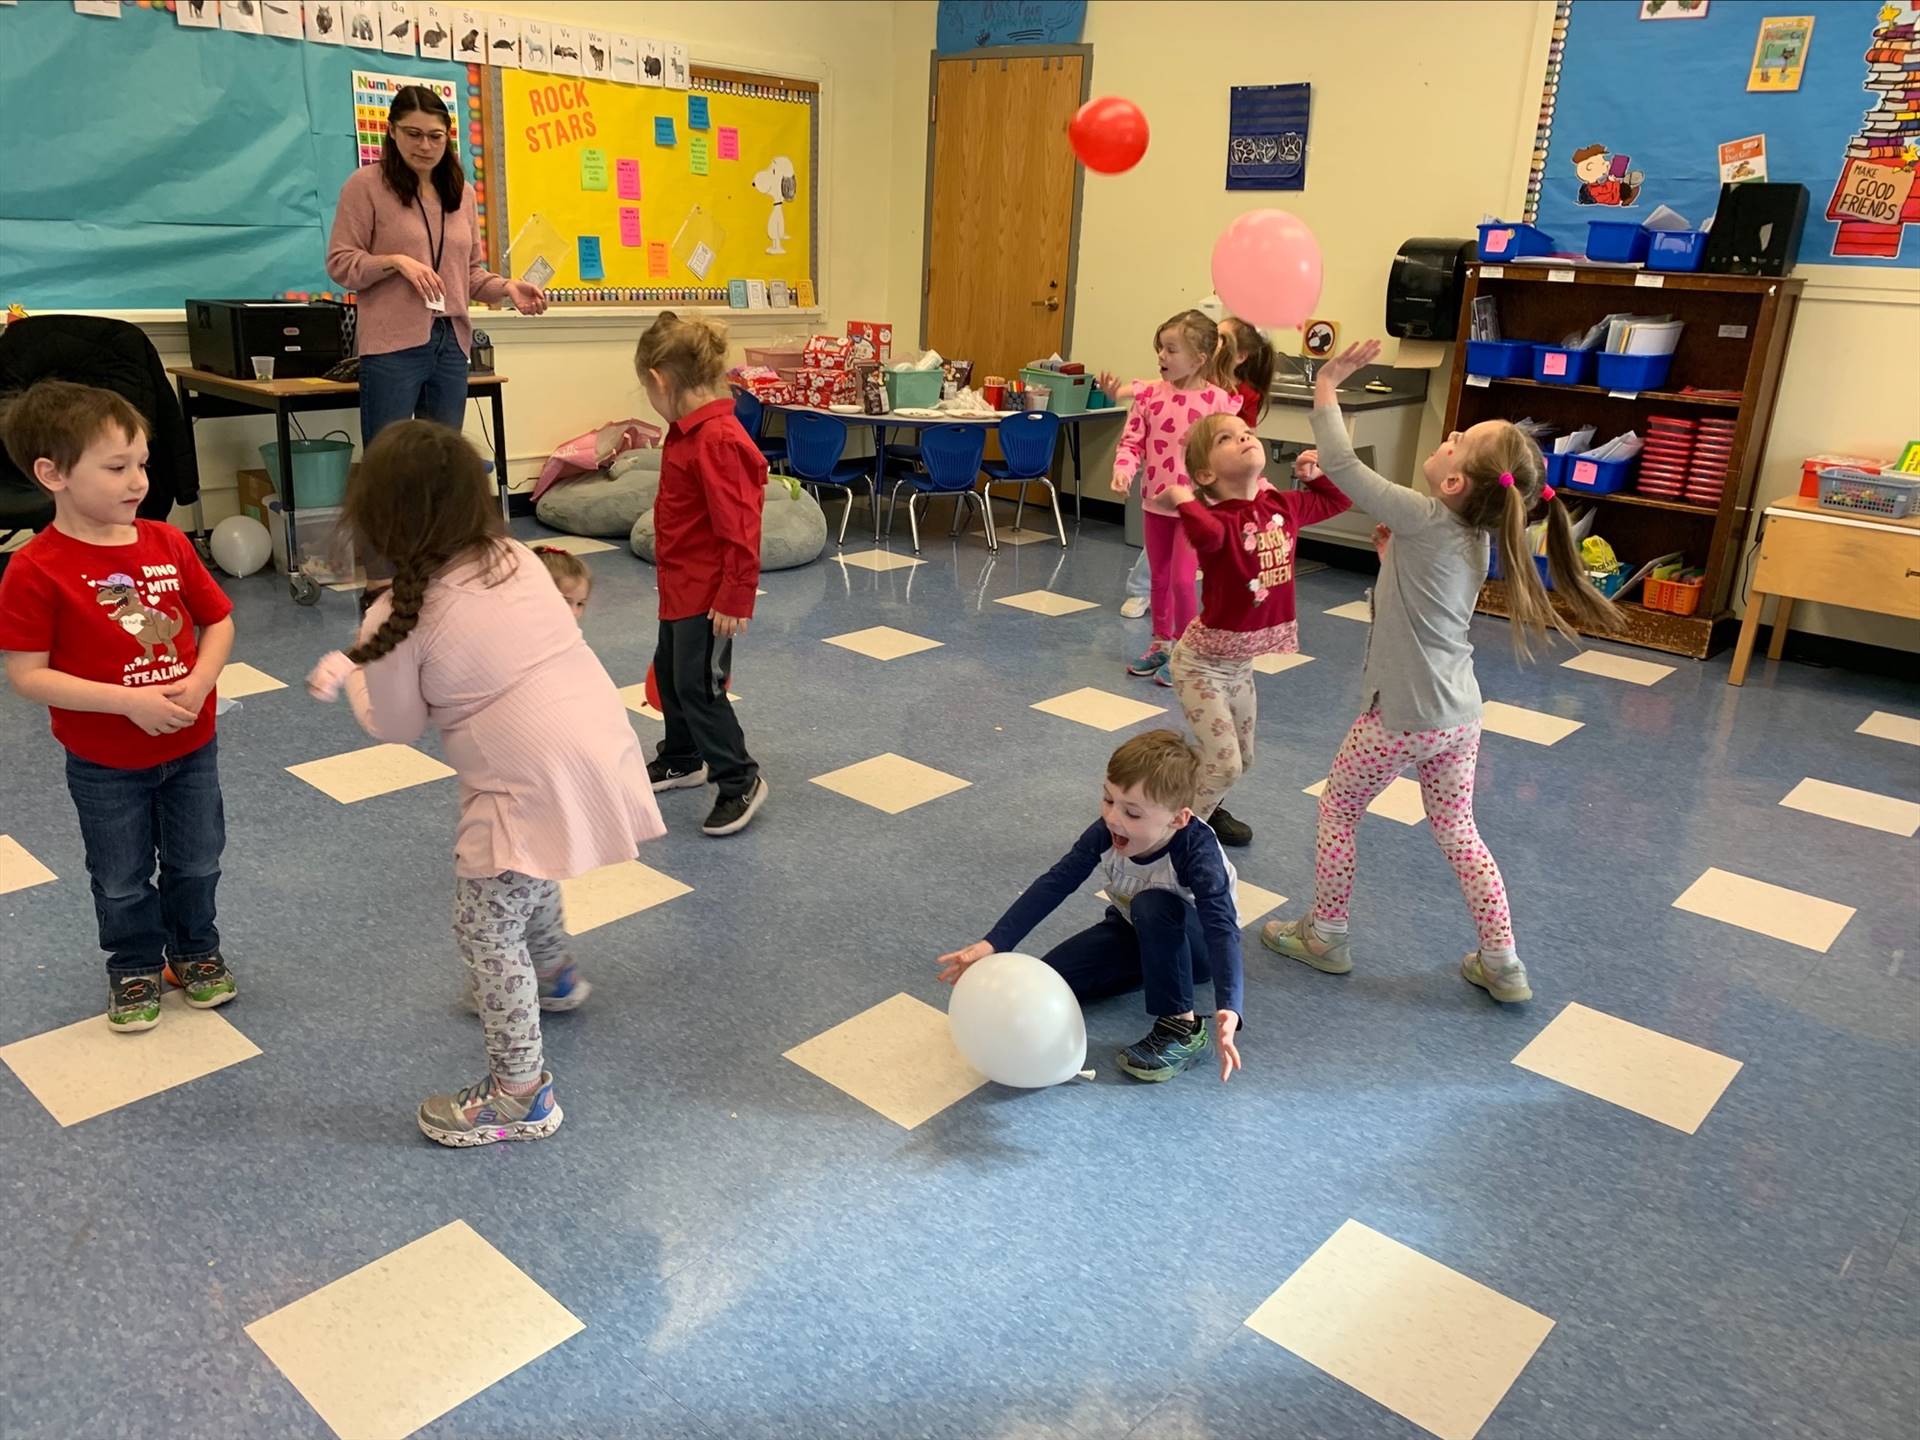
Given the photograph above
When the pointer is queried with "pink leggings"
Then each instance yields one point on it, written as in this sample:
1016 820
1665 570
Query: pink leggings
1172 564
1444 760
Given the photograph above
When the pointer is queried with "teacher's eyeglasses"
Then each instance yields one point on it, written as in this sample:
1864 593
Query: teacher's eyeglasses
421 137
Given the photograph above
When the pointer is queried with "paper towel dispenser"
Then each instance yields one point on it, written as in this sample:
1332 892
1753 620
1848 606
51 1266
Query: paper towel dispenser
1423 291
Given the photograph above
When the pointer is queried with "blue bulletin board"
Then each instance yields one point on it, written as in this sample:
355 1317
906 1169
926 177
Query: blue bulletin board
145 161
1660 95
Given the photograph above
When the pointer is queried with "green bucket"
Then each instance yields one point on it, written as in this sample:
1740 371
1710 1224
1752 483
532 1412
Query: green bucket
320 469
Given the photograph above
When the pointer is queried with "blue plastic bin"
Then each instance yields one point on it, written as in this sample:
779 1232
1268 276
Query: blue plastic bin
1494 572
1515 241
1555 366
1633 372
1599 477
1616 240
1676 249
1557 469
1500 359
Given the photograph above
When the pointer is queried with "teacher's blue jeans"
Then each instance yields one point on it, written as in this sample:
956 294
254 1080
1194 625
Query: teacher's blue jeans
428 382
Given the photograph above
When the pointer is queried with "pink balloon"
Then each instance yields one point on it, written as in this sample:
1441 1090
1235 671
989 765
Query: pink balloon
1266 269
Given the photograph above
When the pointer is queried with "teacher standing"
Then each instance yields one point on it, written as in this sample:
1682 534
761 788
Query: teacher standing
406 239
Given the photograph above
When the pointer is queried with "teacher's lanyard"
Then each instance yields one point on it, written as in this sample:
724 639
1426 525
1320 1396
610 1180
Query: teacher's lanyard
435 251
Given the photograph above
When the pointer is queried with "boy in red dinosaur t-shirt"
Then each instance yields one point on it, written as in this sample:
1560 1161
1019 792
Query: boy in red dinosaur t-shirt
97 619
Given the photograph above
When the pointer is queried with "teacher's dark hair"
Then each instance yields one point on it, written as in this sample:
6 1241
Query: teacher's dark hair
449 180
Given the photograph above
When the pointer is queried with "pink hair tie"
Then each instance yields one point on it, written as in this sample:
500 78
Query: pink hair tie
1506 479
1546 492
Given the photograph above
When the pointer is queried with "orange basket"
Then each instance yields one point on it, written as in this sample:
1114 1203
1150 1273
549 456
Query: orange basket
1676 597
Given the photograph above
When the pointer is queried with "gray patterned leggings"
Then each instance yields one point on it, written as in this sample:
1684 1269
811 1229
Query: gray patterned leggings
511 929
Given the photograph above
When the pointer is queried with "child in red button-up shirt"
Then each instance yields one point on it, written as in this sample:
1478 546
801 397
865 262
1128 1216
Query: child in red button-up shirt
706 523
1245 539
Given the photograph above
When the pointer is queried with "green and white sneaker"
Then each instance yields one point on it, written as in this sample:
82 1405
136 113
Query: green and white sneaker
206 979
133 1001
1298 940
1167 1049
1506 983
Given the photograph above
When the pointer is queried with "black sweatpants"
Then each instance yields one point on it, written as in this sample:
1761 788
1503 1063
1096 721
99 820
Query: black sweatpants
690 666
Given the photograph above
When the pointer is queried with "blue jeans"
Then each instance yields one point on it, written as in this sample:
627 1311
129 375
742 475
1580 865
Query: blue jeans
171 813
428 382
1162 951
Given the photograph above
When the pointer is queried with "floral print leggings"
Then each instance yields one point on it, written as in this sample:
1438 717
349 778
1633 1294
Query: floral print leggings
1444 760
1218 698
512 930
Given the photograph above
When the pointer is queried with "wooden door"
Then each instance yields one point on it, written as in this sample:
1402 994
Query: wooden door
1002 204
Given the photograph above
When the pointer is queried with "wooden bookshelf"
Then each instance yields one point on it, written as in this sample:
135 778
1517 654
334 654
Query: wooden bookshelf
1737 329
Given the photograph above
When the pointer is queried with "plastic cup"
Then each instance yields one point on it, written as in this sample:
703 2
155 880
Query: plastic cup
263 367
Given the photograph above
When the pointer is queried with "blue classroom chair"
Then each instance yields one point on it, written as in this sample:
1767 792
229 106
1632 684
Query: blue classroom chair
752 416
950 465
815 444
1028 440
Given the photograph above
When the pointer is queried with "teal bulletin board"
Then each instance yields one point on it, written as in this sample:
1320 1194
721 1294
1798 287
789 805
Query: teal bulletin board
145 161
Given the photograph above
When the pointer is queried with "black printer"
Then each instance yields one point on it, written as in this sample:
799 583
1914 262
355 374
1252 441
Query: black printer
304 337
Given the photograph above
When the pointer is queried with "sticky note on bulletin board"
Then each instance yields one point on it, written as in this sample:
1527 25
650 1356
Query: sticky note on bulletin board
729 143
698 160
627 178
630 225
697 117
591 266
663 130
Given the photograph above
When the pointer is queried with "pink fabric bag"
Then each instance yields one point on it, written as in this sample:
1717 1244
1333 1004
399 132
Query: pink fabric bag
592 452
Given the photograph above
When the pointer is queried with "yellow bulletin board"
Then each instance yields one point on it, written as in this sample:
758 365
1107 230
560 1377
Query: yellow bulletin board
678 193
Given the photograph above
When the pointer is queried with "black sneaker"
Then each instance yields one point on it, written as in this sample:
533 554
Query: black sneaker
1170 1047
133 1002
732 812
675 774
1229 830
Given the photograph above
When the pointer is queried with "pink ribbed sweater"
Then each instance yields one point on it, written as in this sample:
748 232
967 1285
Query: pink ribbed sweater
552 781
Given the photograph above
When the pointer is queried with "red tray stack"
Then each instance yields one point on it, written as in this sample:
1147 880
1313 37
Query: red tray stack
1712 454
1665 460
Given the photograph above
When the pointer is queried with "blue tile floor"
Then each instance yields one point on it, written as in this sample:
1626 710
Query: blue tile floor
754 1252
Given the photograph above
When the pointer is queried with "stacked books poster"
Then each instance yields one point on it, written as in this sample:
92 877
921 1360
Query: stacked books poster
1878 192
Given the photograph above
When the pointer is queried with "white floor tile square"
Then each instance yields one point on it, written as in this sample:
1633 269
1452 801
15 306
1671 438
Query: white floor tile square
879 561
1803 920
1430 1344
1257 902
1885 725
1627 1065
898 1059
1280 664
613 892
1360 610
401 1341
1617 667
18 868
377 770
1046 602
1519 723
86 1069
1015 537
1399 801
573 544
883 642
240 680
1865 808
891 783
1101 709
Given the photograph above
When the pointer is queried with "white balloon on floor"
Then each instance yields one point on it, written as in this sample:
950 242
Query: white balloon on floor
1017 1022
241 545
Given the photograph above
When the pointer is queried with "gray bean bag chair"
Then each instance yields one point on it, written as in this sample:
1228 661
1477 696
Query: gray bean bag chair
793 528
604 505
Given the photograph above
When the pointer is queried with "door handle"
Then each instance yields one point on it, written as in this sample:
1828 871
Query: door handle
1052 302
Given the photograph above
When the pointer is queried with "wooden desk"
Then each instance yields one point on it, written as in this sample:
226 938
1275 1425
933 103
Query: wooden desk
207 396
1832 558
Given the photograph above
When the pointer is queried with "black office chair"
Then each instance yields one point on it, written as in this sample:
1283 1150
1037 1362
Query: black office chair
114 355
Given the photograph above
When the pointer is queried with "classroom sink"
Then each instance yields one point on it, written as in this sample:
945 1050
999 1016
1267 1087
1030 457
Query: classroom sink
1377 385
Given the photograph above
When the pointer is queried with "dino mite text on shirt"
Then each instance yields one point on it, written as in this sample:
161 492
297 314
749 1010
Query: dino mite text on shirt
118 614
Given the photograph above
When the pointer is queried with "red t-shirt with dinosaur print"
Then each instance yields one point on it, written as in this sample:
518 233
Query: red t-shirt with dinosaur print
118 614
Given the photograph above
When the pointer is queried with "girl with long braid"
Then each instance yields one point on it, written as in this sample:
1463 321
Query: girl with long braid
474 640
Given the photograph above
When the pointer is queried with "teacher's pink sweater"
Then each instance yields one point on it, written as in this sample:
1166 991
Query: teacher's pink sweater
371 222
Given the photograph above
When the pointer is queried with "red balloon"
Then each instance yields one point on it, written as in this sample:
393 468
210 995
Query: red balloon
653 689
1108 134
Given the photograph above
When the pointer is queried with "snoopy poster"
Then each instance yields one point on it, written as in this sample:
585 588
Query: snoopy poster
777 182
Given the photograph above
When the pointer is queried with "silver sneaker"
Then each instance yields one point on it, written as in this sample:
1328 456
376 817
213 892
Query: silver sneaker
1506 983
1298 940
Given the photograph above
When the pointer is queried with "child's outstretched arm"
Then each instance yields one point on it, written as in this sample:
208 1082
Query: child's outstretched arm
1040 900
1397 506
1204 531
385 693
1132 448
1200 867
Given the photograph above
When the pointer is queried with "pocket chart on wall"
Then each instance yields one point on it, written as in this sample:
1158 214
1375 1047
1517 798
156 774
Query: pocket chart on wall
605 163
1747 93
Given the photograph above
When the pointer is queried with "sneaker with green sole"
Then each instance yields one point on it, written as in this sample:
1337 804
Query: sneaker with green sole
205 978
1298 940
1167 1049
133 1001
1506 983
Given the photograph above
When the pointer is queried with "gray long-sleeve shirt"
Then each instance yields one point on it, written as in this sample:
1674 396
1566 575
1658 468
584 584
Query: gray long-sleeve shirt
1419 668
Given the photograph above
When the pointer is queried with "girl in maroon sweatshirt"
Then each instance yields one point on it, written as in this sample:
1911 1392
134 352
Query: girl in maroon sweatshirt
1245 534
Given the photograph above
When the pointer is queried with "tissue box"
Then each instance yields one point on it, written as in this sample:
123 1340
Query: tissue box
830 351
872 341
822 385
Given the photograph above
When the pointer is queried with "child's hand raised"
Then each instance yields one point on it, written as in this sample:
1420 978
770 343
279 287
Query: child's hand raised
1348 363
954 964
1178 495
1381 535
1225 1024
1111 387
1306 465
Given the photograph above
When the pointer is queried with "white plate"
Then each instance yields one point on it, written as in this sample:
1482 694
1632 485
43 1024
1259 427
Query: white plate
844 409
